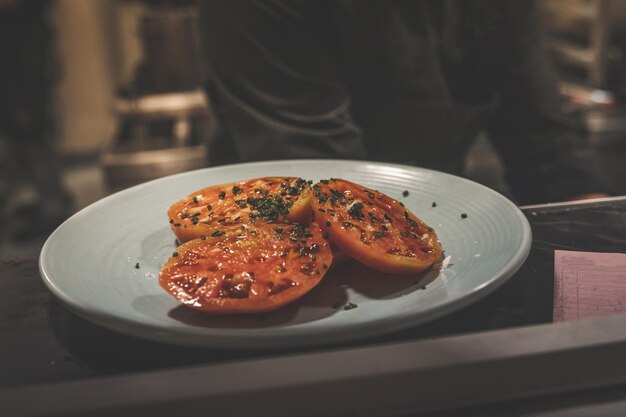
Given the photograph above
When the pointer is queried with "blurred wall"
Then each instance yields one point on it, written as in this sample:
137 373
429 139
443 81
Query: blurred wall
97 50
556 10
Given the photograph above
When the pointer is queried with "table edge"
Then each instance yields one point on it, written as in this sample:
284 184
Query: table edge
424 375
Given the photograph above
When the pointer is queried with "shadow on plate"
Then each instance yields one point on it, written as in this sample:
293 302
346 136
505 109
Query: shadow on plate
379 285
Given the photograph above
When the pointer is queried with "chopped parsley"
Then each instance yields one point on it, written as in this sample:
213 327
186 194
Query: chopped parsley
299 231
405 193
336 196
356 210
269 208
410 220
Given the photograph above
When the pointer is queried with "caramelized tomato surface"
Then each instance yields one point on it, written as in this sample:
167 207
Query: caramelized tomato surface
256 268
373 228
228 206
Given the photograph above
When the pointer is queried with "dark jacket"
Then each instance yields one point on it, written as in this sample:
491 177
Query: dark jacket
402 81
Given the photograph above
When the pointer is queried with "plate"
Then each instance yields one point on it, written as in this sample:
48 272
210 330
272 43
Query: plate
104 261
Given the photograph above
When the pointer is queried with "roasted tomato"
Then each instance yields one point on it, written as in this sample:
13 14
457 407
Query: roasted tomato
373 228
258 268
219 207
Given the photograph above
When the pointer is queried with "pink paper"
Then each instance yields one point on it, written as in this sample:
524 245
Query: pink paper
588 284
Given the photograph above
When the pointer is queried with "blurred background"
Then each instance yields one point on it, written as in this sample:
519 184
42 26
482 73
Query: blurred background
109 93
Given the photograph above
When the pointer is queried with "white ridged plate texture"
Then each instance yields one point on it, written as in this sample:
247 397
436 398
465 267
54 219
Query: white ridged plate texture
90 262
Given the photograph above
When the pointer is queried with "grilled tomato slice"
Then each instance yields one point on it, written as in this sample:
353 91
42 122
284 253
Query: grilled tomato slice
373 228
255 269
259 200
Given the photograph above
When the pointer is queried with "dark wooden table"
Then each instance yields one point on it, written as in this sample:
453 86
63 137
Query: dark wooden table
45 349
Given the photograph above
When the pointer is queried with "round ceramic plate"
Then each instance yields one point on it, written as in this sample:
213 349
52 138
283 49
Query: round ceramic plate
104 261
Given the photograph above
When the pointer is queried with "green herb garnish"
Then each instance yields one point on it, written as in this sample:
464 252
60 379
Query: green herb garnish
356 210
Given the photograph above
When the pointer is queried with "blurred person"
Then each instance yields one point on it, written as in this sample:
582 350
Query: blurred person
28 73
409 81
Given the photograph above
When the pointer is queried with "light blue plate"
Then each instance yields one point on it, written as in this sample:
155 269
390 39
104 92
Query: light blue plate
90 262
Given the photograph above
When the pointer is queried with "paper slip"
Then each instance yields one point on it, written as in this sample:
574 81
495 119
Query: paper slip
588 284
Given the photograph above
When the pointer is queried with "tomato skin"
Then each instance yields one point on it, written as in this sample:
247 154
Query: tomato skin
256 269
228 206
373 228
